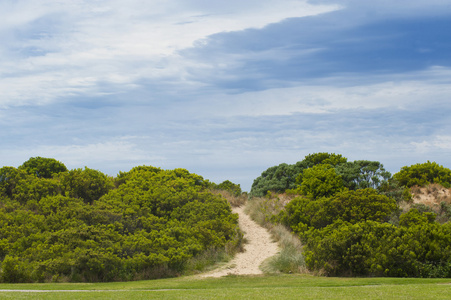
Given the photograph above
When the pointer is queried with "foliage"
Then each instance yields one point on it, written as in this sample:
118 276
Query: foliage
346 206
324 158
380 249
77 226
278 178
424 174
320 181
227 185
87 184
361 174
285 177
415 217
393 189
43 167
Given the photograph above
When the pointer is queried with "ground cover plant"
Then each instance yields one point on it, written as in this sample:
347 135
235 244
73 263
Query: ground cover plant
81 225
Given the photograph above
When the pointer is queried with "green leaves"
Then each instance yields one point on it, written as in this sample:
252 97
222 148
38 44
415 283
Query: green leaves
346 206
379 249
423 174
359 174
81 225
320 181
43 167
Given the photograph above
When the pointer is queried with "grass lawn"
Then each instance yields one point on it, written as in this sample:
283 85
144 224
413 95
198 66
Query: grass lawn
240 287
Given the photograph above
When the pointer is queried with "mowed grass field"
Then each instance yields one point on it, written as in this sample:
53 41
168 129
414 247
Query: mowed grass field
239 287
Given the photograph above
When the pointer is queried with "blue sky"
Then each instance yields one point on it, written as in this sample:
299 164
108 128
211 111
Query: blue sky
224 89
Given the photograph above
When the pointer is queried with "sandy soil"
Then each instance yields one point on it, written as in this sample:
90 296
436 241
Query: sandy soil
431 195
259 247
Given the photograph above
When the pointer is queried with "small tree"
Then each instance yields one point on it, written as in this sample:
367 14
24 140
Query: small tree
43 167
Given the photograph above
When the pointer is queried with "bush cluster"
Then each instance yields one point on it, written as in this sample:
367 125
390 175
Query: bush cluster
344 216
81 225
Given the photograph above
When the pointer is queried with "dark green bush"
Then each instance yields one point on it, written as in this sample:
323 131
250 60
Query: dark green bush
43 167
380 249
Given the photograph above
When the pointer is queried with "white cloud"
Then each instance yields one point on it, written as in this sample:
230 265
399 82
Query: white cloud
433 144
329 96
55 49
110 156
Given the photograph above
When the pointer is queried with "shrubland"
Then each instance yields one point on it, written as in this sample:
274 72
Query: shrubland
82 225
356 219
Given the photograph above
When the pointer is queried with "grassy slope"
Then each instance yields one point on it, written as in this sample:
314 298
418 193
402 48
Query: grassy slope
256 287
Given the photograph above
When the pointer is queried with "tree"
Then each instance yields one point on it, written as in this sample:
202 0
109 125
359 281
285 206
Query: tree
362 174
43 167
285 177
278 179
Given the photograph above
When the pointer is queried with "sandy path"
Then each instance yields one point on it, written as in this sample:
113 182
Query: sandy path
259 247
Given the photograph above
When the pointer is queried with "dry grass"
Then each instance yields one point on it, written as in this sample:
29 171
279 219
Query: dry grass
264 210
235 201
433 197
431 194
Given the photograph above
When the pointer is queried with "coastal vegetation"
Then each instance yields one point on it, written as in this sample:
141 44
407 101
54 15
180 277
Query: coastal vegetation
330 216
82 225
356 219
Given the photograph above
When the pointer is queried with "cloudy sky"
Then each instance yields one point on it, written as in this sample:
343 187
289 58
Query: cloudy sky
224 89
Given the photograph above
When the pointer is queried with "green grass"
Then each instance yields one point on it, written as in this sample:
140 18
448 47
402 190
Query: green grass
241 287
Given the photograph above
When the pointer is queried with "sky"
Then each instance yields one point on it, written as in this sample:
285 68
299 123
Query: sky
224 89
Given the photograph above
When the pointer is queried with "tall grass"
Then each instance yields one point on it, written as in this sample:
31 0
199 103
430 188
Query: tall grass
264 210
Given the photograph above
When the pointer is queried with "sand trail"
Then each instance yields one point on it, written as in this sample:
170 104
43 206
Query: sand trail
259 247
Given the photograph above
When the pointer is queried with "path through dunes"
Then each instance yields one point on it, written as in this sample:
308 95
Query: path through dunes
259 247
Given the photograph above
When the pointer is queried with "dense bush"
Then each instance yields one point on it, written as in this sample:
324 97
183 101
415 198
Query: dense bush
423 174
346 206
320 181
79 225
380 249
343 220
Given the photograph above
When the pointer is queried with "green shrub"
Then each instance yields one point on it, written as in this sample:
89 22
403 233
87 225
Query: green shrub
348 206
320 181
79 226
424 174
379 249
